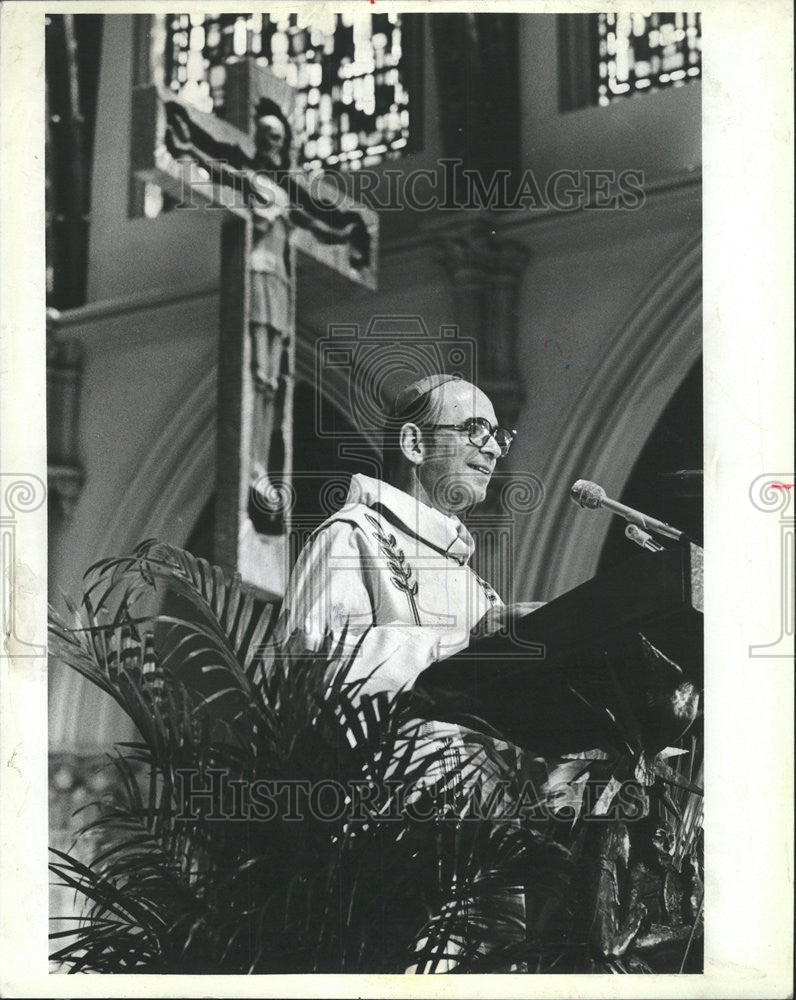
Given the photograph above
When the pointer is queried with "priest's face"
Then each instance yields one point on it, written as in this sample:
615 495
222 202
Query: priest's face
454 473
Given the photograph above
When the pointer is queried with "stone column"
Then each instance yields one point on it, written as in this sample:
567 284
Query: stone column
485 270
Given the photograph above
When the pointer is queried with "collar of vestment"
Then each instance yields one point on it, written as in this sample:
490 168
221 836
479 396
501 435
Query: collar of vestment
443 532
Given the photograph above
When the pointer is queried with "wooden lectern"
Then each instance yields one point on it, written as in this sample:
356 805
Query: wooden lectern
616 662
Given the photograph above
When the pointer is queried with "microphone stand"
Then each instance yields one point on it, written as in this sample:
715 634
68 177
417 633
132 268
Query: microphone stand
640 526
642 538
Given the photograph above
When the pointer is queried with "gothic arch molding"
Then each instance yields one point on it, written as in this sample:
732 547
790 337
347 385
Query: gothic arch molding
605 432
164 499
333 385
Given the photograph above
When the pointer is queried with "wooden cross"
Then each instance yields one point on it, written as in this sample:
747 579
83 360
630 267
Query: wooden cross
274 219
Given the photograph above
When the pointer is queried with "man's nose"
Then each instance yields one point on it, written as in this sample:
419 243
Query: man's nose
491 447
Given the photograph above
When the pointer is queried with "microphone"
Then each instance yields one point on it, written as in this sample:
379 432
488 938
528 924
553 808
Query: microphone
591 496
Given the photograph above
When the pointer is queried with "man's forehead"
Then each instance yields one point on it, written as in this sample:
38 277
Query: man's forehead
460 399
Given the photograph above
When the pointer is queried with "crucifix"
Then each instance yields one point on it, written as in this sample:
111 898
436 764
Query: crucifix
275 218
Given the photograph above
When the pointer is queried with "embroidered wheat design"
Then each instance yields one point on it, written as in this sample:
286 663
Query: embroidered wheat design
400 570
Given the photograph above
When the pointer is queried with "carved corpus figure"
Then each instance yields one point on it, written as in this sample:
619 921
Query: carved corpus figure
270 306
241 163
270 311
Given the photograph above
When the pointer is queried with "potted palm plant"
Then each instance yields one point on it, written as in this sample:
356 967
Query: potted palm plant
268 819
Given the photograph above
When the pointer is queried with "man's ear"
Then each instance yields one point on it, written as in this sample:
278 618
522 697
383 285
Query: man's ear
411 441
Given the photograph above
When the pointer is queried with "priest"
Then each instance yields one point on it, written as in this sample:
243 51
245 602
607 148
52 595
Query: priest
390 570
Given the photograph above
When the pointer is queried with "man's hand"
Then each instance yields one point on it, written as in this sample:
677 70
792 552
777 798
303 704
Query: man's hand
500 617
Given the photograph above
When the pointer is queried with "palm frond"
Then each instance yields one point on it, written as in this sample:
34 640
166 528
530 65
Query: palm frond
188 877
201 862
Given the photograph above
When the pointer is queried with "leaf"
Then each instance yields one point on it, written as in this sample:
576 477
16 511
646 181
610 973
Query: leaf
169 889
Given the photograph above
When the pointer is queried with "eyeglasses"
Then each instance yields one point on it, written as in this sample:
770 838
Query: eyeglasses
480 430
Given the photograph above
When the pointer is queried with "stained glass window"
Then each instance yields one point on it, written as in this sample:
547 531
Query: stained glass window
638 52
351 86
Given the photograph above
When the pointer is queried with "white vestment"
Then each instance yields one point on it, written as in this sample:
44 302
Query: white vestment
391 573
395 569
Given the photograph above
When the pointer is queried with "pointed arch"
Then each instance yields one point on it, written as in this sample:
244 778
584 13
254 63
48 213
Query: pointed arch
606 430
